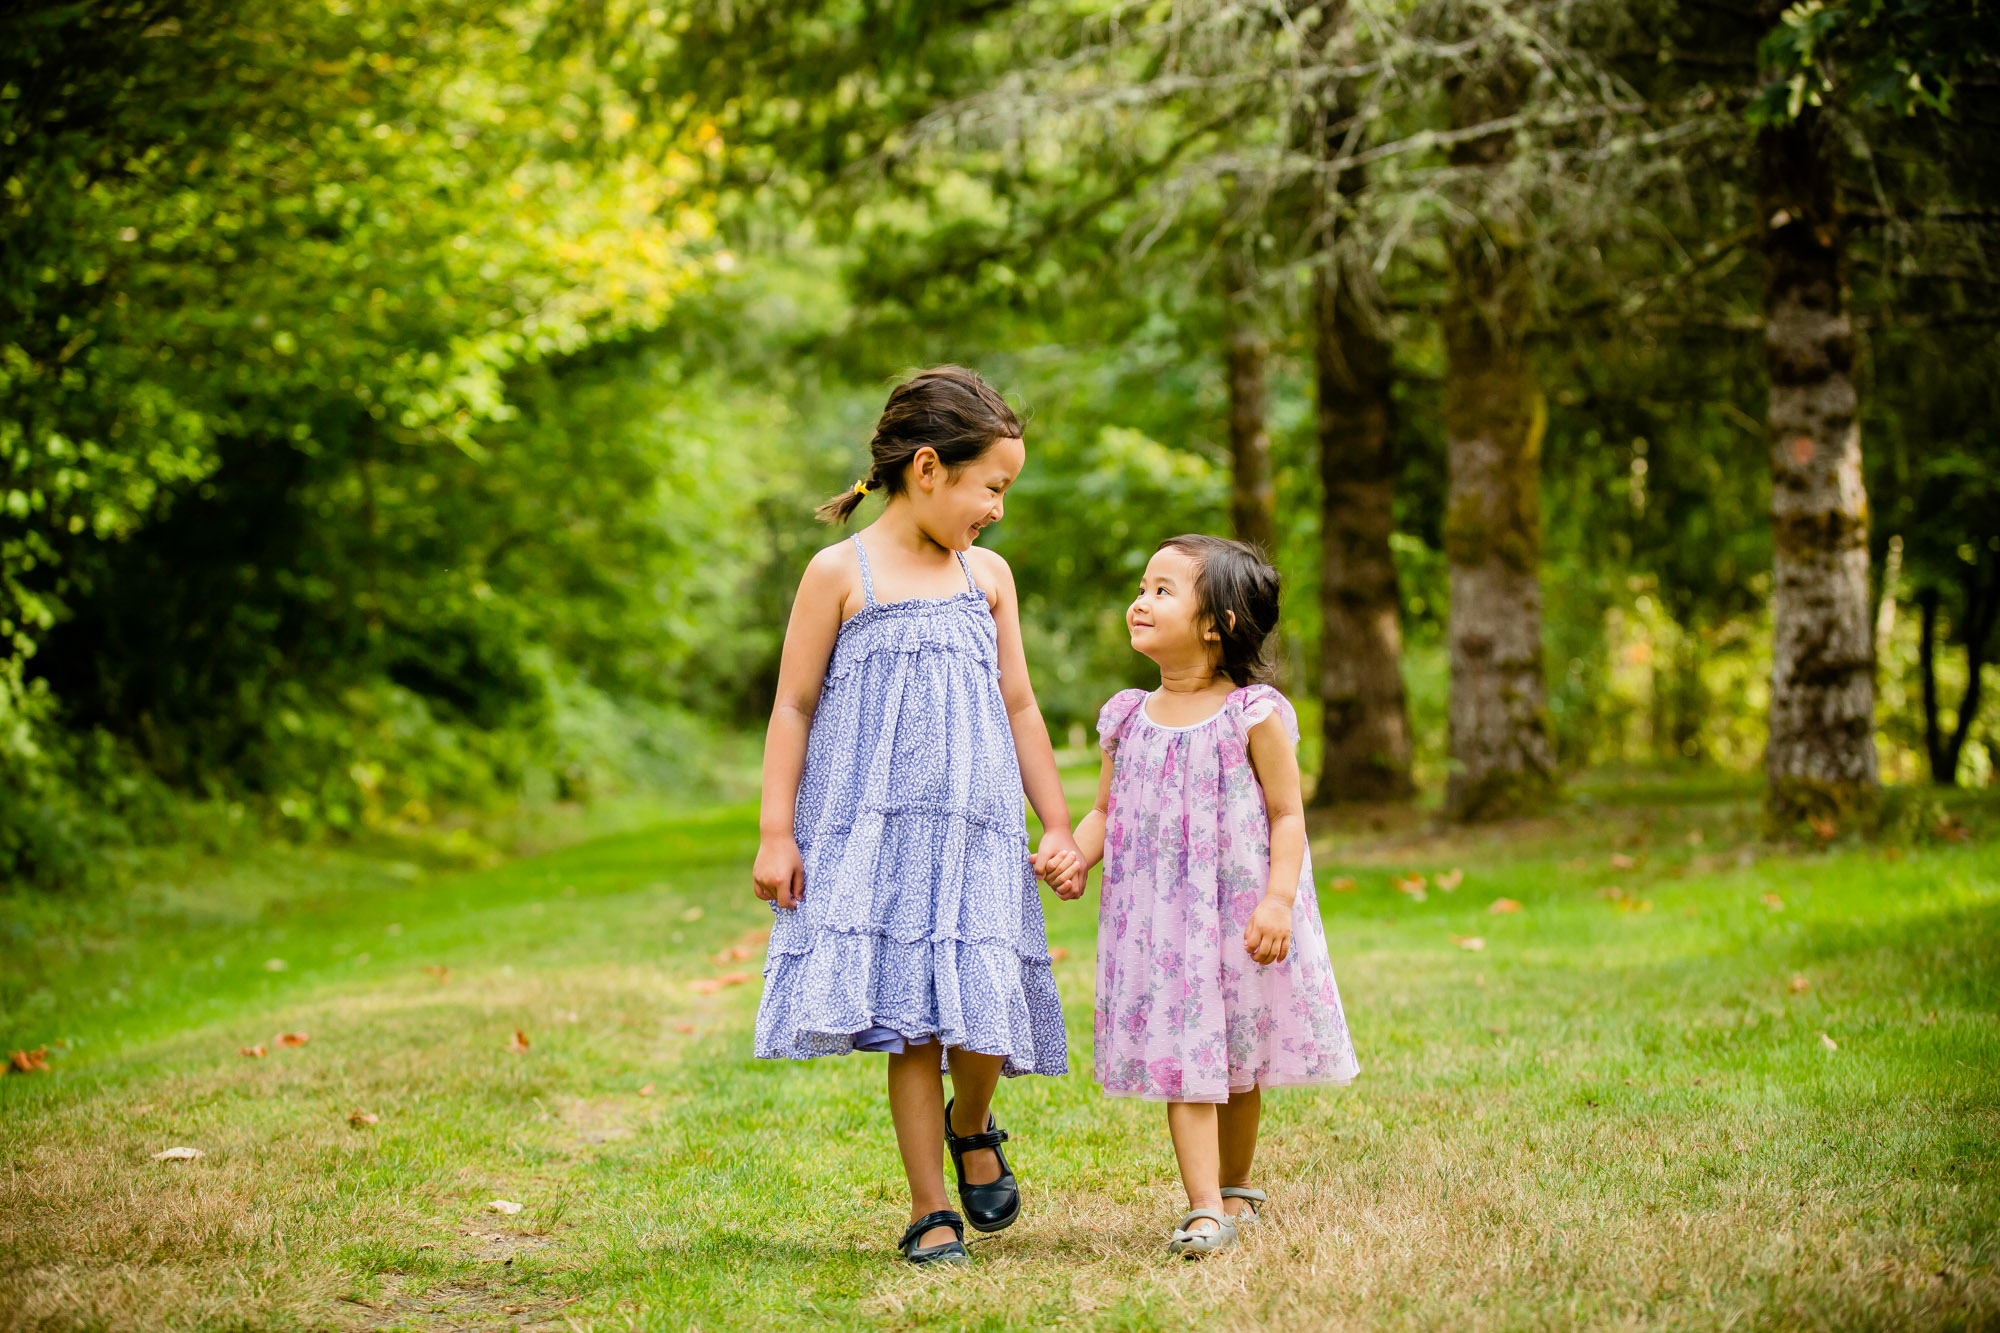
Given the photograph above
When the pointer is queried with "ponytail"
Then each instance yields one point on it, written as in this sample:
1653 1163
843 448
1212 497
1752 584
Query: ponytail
946 409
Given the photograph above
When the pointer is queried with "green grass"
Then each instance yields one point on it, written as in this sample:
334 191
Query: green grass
1621 1112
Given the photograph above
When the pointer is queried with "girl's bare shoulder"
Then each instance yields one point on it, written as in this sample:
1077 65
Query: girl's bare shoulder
991 572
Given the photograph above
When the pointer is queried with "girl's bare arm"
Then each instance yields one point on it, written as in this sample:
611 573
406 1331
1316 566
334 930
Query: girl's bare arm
779 872
1039 778
1276 764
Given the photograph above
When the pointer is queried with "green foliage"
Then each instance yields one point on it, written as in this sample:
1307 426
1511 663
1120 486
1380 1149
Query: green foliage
290 294
1903 56
409 407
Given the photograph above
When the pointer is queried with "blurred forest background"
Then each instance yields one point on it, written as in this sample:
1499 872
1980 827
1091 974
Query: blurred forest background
412 408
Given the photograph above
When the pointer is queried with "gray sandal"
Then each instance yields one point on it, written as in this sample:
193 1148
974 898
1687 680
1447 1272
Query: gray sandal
1194 1244
1255 1198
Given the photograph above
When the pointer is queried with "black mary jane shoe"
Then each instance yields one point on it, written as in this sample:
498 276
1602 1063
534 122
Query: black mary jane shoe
951 1252
994 1205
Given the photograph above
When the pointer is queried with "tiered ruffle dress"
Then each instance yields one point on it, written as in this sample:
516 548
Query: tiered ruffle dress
922 918
1184 1014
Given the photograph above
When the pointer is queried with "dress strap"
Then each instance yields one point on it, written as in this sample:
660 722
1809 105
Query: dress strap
971 583
867 583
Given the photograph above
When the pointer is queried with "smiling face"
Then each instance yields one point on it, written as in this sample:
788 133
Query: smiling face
1165 619
952 510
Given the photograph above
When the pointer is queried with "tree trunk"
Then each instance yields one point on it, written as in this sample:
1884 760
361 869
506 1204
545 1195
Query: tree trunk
1927 608
1503 760
1820 761
1366 723
1252 501
1982 607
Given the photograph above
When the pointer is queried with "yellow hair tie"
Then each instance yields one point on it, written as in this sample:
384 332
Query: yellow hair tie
861 487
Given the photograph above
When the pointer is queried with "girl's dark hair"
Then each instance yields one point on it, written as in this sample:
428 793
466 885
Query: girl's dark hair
1236 589
946 408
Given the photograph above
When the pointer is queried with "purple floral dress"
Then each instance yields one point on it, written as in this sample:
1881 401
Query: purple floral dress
1184 1014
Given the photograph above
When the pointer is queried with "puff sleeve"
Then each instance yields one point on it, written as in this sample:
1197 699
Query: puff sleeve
1254 703
1115 715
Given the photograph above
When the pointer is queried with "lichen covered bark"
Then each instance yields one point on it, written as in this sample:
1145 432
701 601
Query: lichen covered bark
1820 760
1252 499
1502 756
1366 719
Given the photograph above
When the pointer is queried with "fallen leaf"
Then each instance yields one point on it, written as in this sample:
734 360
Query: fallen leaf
1342 884
1635 904
1502 906
358 1117
646 1091
178 1155
294 1038
1469 942
513 1309
1950 829
503 1206
1695 838
254 1052
29 1062
440 971
1824 829
274 964
710 985
761 935
1774 902
1058 954
1611 893
683 1027
1620 861
519 1043
1928 1020
1451 879
692 914
735 953
1408 883
428 1245
1580 863
1828 1042
1798 985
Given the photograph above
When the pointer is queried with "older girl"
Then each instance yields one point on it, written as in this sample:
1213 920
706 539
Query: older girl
894 846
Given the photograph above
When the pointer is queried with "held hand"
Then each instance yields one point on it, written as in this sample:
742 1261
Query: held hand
1052 868
1268 937
779 873
1060 864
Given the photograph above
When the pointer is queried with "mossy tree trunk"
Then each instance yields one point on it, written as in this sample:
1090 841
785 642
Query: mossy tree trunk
1252 500
1502 755
1366 718
1820 760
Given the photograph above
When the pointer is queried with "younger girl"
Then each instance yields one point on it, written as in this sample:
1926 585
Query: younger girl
1212 974
894 845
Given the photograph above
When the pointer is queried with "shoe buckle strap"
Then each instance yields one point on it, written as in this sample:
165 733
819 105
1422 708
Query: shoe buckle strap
986 1138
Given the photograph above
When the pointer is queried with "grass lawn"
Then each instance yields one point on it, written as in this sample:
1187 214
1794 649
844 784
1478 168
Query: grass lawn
1708 1085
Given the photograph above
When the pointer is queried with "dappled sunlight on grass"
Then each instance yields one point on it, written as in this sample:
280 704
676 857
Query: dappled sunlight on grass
1754 1086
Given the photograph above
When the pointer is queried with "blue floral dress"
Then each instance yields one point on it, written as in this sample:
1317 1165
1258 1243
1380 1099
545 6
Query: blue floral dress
922 918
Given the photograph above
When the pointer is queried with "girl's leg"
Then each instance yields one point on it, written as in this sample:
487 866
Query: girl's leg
1193 1126
1236 1130
973 1078
916 1104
